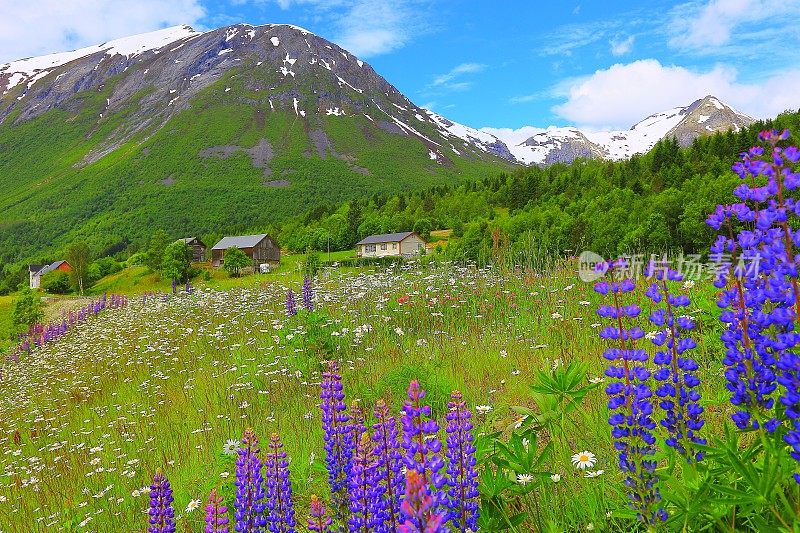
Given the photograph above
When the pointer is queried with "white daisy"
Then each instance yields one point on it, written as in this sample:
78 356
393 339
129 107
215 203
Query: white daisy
583 460
594 473
483 409
230 447
524 479
192 505
556 478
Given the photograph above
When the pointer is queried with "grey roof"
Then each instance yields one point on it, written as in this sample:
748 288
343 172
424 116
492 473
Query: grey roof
242 241
187 240
47 268
386 237
35 268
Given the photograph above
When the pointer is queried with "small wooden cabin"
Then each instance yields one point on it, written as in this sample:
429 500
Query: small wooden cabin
197 247
405 244
260 248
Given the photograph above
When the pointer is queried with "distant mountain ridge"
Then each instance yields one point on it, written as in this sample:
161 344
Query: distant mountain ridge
564 144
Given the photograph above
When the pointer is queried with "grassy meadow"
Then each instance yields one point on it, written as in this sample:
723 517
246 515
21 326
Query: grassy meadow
166 382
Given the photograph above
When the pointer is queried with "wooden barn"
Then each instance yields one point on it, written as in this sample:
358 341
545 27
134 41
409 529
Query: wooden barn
261 248
35 272
197 247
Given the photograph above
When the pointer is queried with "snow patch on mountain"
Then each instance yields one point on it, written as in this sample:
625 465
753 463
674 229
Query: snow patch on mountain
136 44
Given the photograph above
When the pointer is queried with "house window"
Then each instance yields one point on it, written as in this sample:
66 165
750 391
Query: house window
394 246
383 246
369 248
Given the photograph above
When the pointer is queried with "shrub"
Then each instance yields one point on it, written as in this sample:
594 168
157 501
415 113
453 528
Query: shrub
27 309
56 282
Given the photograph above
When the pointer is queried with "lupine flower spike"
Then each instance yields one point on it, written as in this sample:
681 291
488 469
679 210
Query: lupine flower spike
162 515
389 476
366 507
418 507
318 520
630 398
420 441
280 510
677 370
308 294
216 514
462 476
249 505
291 304
335 428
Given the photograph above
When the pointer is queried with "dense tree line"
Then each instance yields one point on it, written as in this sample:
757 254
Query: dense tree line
652 202
649 203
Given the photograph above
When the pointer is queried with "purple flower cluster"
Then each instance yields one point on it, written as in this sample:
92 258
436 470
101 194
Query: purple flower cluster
318 519
418 507
249 505
463 490
216 514
308 294
40 334
630 398
679 397
280 510
370 491
420 442
162 515
335 428
291 303
760 296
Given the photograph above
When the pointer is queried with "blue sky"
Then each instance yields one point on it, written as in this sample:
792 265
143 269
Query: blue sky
595 64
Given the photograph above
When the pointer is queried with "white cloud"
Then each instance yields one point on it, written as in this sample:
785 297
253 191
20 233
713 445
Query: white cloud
623 94
717 22
367 27
512 136
46 26
464 68
621 47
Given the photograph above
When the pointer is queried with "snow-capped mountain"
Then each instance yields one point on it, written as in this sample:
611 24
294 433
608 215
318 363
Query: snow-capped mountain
565 144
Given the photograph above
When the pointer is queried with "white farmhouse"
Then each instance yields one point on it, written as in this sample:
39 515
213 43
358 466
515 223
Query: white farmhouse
405 244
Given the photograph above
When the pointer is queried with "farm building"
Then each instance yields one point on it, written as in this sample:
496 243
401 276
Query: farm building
405 244
260 248
197 247
35 272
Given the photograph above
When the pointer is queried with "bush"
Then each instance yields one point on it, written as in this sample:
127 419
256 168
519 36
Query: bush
312 264
234 261
27 309
56 282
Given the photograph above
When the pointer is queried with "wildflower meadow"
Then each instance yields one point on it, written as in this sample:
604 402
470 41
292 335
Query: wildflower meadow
430 396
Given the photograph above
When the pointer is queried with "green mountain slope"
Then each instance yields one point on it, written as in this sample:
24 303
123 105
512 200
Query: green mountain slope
245 149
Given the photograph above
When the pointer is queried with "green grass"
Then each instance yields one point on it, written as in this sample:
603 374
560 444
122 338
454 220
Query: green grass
168 383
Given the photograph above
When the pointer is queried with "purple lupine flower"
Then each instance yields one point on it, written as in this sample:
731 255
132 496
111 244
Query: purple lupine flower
162 515
761 337
677 370
462 477
308 294
318 520
418 508
420 439
280 510
335 427
216 514
630 399
291 303
249 505
388 472
366 507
